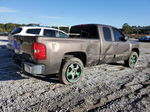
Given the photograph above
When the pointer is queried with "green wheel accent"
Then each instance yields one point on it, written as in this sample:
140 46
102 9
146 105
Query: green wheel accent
73 72
132 60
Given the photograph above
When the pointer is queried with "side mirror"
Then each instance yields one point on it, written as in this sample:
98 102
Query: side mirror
126 38
123 38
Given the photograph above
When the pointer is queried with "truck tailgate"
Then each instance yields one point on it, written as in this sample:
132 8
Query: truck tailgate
24 45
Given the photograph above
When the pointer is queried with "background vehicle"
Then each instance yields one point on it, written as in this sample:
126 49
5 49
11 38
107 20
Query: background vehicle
90 44
35 31
144 39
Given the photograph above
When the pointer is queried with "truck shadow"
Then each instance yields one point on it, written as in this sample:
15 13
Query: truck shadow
48 78
9 70
117 64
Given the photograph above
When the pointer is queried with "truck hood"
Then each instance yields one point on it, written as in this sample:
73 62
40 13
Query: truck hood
134 44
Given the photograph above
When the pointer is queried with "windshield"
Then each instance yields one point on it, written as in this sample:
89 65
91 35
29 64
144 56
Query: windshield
16 30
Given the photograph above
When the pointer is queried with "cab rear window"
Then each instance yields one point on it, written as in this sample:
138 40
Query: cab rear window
16 30
84 31
107 34
33 31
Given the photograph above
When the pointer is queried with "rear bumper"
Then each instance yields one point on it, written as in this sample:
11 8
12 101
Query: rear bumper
33 69
29 67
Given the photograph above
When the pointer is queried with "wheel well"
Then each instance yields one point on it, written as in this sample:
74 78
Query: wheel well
80 55
136 50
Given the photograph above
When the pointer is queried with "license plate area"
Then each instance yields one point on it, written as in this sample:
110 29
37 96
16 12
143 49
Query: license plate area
16 46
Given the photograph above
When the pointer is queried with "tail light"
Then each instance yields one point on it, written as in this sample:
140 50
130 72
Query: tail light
39 51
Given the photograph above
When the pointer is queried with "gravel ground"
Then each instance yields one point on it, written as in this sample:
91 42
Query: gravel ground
103 88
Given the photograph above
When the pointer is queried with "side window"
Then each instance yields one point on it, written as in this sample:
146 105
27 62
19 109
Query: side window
62 35
33 31
107 34
49 33
118 35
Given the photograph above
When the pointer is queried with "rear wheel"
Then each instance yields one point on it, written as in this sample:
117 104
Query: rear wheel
71 71
132 60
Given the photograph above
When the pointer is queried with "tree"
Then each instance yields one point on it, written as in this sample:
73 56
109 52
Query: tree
9 27
1 30
136 30
127 29
65 29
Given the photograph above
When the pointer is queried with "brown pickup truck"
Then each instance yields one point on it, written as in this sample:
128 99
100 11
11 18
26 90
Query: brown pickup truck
86 45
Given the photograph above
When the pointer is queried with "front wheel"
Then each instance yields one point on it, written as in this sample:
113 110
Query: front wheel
71 70
132 60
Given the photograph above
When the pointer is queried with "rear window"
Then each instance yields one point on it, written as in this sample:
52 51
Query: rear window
49 33
33 31
84 31
107 34
16 30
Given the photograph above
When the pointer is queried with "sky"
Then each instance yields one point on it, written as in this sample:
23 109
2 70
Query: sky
73 12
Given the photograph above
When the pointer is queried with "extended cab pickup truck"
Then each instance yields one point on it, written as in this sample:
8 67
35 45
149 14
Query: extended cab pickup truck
87 45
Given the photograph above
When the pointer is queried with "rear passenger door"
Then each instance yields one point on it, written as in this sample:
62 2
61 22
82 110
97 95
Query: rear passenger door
107 45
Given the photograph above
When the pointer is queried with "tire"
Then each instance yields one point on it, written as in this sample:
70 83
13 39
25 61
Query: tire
132 60
71 71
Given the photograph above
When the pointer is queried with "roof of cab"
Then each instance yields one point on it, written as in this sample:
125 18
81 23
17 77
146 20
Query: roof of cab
94 25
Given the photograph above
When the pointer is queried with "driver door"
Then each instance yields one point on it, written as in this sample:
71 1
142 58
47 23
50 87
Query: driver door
121 45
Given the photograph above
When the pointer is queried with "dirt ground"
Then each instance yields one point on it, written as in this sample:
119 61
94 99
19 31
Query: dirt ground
104 88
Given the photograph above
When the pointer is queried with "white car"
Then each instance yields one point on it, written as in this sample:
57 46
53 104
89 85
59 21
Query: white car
38 31
35 31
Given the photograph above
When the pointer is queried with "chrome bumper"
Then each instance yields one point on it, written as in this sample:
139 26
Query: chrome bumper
33 69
